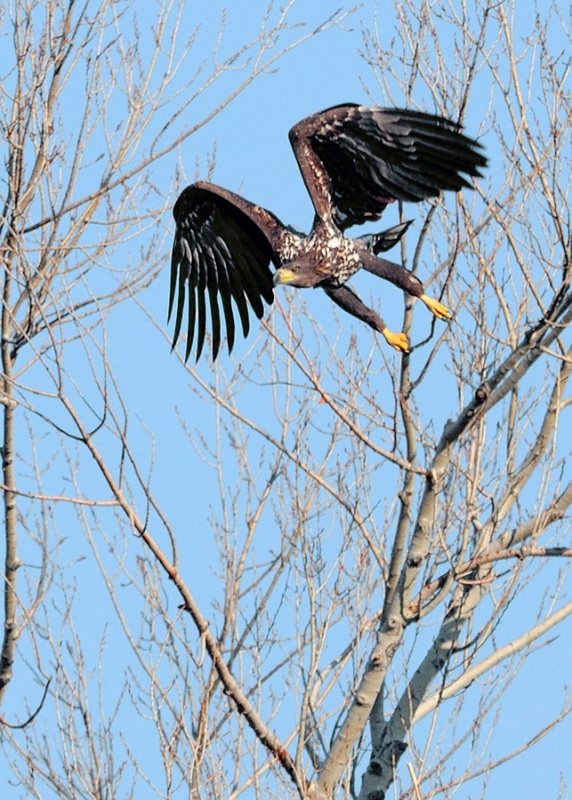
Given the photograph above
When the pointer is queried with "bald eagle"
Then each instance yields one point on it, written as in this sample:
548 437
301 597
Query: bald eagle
354 161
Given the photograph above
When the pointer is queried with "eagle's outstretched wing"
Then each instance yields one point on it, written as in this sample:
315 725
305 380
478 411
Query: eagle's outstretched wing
355 160
222 250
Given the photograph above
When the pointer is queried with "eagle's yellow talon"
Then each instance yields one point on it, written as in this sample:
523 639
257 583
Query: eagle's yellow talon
397 340
436 307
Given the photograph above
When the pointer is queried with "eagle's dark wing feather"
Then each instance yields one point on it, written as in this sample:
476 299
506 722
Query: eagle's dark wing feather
355 160
222 251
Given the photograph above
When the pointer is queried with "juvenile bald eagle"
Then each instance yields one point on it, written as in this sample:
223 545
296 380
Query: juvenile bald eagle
354 161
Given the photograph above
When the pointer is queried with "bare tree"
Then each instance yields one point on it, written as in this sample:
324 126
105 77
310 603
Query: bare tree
310 567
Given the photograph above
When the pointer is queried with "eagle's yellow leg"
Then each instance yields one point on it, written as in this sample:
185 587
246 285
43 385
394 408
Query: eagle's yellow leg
436 308
397 340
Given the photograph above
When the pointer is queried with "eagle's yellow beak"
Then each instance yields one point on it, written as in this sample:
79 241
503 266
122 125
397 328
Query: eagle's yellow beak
284 276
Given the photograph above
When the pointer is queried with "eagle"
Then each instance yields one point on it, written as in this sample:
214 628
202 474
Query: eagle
229 254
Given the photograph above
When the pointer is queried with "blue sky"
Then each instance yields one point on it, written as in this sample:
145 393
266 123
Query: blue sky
253 156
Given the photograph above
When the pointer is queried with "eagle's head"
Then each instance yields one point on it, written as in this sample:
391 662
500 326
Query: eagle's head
300 273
